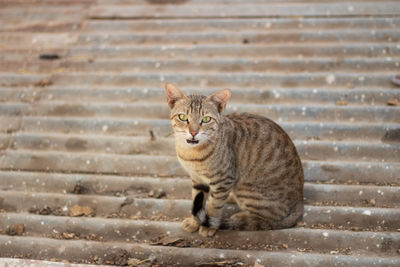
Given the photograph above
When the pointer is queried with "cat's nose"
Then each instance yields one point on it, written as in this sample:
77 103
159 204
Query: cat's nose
193 133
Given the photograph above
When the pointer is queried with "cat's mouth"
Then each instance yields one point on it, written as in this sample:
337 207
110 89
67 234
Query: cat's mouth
192 141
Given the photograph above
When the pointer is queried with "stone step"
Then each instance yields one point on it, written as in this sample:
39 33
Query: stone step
202 80
234 25
77 130
335 217
180 188
219 37
157 110
112 252
215 51
305 96
304 130
138 231
101 163
265 9
307 149
234 65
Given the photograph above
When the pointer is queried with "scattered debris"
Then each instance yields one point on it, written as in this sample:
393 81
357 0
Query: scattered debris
91 237
330 79
346 227
170 241
117 256
136 262
46 210
372 202
334 252
342 103
159 193
127 201
43 83
221 263
330 168
285 246
49 56
79 188
68 235
117 215
304 249
95 259
77 210
152 136
15 229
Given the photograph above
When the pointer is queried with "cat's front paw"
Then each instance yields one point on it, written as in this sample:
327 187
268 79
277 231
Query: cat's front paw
190 225
206 231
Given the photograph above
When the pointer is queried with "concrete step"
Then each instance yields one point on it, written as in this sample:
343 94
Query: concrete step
102 163
39 263
308 149
219 37
100 252
76 130
304 96
235 65
360 218
266 9
344 50
234 25
211 79
366 49
29 3
303 130
138 231
180 188
154 110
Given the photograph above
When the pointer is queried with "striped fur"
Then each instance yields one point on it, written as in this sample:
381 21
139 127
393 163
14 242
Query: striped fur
242 157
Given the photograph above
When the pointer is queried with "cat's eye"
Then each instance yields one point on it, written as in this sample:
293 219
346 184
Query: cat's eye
183 117
206 119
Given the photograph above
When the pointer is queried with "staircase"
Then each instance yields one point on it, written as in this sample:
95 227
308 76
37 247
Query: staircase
88 172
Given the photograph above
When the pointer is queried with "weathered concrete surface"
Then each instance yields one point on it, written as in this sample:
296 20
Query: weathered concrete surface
10 262
88 172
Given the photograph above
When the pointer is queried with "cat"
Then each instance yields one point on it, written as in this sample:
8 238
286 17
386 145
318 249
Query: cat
243 158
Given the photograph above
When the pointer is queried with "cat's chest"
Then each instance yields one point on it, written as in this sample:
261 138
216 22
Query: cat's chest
196 169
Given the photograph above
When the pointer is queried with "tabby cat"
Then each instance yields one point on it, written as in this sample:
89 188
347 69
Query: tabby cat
244 158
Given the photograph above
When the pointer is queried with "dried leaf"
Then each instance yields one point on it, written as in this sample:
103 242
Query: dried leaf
342 103
43 83
77 210
16 229
171 241
220 263
136 262
68 235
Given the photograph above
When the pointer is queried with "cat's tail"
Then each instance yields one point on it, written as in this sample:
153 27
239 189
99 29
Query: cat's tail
245 220
200 214
248 221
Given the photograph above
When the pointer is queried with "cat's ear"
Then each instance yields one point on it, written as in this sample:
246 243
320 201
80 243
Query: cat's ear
173 94
220 98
